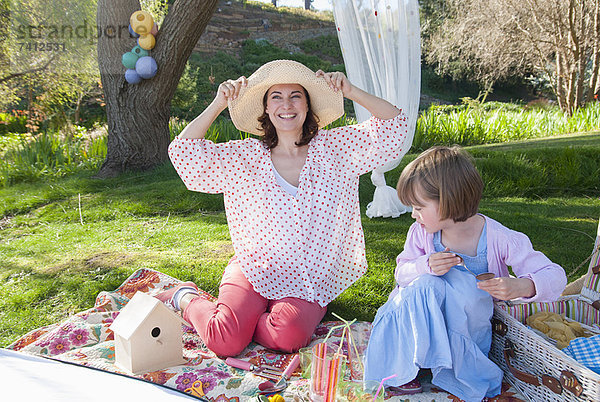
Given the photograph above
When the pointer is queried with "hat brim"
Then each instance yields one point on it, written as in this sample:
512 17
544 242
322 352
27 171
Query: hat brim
326 104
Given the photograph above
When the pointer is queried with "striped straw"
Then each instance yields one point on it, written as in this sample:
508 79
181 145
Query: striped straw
332 377
319 352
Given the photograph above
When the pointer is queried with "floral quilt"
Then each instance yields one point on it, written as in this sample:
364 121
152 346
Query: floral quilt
85 339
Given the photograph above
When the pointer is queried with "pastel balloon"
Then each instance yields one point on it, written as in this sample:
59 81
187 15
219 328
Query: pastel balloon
146 41
154 30
133 33
129 59
139 52
132 77
141 22
146 67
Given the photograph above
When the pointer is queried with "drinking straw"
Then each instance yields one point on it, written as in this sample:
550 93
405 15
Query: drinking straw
351 342
319 351
332 377
381 385
330 368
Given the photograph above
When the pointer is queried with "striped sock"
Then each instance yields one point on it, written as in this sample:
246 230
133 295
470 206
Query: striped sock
178 295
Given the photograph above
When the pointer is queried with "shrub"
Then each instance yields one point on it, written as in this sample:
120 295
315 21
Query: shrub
14 122
540 172
255 53
50 155
327 45
496 122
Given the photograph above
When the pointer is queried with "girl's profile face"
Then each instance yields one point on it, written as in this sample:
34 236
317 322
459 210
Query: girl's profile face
426 214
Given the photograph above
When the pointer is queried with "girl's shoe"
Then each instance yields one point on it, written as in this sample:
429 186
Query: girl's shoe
412 387
166 295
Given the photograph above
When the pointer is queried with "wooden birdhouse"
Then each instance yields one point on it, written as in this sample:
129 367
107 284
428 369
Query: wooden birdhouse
148 336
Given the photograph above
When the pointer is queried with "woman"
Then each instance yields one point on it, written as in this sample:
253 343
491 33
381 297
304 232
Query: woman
291 201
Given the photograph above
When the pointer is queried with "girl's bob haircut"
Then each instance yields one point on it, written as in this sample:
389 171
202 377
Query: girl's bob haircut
446 175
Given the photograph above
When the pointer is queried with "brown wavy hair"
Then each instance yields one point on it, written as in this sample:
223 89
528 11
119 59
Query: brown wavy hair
309 128
446 175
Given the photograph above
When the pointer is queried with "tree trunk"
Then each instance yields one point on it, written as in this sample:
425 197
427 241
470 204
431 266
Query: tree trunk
138 115
595 54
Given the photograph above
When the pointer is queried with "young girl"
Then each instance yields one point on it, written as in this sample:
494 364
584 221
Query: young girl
438 316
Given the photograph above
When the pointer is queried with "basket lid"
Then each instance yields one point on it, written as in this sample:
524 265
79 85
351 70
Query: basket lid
591 283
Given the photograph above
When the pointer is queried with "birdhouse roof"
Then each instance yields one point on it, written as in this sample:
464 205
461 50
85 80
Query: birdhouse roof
140 307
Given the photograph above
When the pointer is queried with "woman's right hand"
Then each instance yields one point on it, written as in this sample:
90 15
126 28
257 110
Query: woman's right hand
440 263
229 90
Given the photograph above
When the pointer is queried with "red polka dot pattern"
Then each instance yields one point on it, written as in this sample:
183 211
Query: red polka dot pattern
310 246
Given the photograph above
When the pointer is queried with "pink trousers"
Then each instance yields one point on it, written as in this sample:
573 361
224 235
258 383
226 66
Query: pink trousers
241 315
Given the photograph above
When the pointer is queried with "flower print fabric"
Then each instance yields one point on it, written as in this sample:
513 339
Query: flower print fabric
310 246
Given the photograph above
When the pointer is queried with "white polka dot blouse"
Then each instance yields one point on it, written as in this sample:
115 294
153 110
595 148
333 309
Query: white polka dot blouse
310 246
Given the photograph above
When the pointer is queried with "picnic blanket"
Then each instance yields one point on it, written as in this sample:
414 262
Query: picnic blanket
86 340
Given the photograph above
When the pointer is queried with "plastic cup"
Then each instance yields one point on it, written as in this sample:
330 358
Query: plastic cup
325 375
353 391
305 361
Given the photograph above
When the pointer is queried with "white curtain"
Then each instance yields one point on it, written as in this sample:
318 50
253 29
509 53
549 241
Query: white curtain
381 46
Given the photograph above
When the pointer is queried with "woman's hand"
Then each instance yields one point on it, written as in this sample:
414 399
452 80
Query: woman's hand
505 288
441 262
229 90
378 107
337 81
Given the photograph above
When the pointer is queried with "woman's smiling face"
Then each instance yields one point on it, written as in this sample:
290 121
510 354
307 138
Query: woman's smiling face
287 107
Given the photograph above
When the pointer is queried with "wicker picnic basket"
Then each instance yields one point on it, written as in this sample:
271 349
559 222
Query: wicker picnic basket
531 362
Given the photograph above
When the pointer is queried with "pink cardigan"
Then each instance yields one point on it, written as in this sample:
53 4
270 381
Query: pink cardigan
505 247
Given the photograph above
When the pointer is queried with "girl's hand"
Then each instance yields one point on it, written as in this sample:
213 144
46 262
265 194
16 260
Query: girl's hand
229 90
441 262
337 81
505 288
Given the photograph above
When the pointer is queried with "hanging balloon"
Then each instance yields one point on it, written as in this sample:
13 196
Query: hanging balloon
132 33
146 67
146 41
141 22
139 52
129 59
154 30
132 77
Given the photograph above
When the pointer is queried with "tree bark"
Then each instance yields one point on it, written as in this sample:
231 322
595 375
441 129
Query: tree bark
595 53
138 115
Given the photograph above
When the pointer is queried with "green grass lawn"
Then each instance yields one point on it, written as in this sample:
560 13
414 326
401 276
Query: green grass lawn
63 241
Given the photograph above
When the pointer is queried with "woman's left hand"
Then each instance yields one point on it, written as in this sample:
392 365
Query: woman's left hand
337 81
505 288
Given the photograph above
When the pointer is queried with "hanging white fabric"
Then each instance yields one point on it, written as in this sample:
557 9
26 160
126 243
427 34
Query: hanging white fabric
381 46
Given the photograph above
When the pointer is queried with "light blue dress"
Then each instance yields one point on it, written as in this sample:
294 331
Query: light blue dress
441 323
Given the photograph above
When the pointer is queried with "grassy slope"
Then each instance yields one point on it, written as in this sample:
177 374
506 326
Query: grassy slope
62 242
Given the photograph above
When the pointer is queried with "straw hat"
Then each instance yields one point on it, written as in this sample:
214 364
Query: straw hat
245 110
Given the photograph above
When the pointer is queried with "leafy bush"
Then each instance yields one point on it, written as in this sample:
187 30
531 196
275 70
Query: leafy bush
540 172
493 123
222 130
445 87
255 53
50 155
297 12
327 45
14 122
